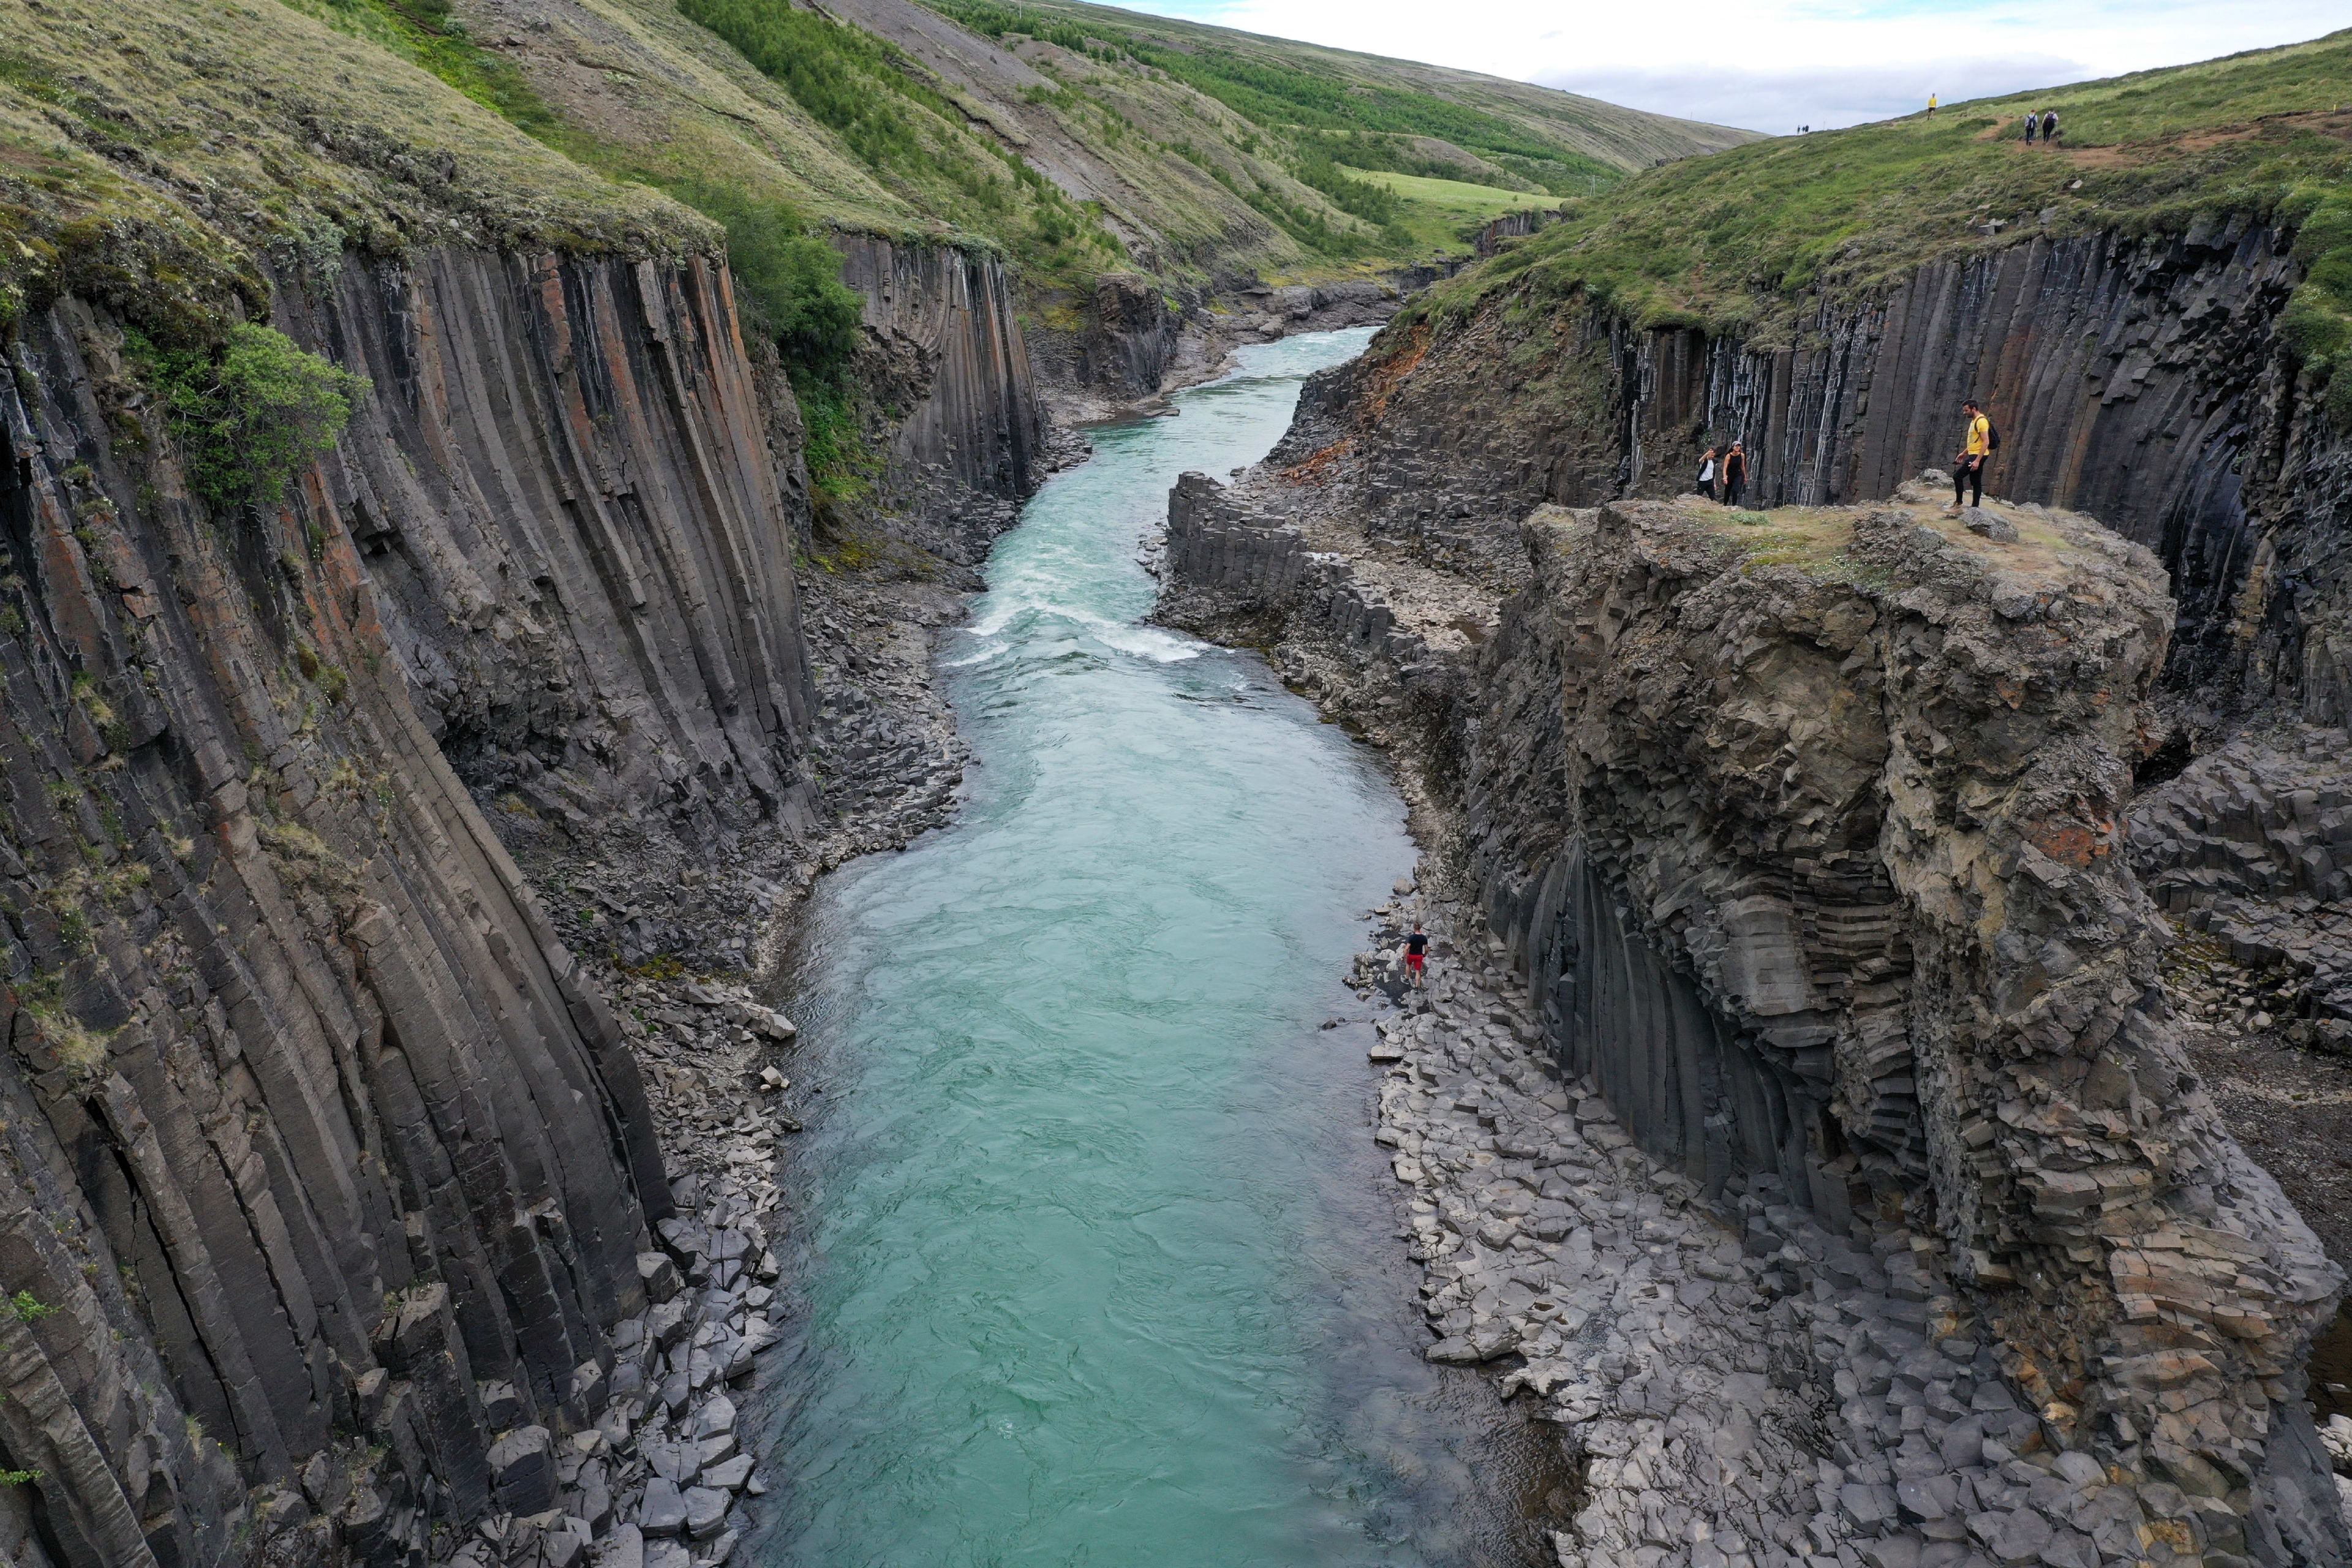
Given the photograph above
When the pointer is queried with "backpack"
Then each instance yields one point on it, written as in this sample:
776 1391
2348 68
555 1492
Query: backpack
1993 434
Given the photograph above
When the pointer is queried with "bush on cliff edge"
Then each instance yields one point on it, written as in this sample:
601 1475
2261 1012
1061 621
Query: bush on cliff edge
251 418
787 281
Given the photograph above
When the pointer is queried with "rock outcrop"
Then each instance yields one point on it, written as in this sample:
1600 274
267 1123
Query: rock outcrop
562 498
967 423
1803 831
329 1164
2144 382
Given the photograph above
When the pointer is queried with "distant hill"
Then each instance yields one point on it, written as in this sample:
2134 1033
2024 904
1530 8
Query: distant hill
1073 139
1732 244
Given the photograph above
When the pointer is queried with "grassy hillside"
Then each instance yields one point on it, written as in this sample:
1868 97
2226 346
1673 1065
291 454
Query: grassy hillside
1734 242
1557 140
221 133
1192 153
151 155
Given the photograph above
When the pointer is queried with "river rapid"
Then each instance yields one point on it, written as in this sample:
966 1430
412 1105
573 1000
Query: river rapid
1098 1264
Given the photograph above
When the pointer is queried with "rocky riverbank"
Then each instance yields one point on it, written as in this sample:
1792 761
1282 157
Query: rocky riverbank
1737 1384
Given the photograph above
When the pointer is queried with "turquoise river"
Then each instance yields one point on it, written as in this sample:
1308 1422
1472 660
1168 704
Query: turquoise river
1099 1262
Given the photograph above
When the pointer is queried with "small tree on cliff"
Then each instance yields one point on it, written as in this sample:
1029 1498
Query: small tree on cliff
251 418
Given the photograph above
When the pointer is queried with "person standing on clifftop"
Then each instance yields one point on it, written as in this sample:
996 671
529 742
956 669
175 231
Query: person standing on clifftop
1969 468
1735 474
1417 952
1931 104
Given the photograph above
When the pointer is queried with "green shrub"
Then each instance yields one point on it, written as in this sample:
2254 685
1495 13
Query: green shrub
252 418
841 465
24 1307
1358 198
788 282
848 79
2339 398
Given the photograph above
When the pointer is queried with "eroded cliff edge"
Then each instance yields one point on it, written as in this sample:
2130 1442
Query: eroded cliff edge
1803 833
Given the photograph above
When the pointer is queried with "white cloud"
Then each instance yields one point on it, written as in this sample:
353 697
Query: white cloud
1773 64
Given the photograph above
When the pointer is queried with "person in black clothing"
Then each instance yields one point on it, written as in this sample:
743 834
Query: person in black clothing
2049 127
1416 949
1735 474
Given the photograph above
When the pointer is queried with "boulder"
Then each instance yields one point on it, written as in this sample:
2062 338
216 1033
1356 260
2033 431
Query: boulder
658 1274
522 1471
1989 525
663 1511
705 1510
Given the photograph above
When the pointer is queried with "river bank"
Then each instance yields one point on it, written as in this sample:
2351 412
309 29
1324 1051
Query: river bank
1732 1386
1088 1257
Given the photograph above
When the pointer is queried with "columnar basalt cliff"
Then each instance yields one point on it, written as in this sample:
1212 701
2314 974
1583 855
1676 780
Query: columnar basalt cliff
1805 837
320 1137
947 352
2142 381
561 497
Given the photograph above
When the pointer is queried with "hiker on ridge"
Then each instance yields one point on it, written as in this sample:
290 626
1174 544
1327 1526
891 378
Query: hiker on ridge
2032 124
1708 467
1735 474
2049 127
1969 468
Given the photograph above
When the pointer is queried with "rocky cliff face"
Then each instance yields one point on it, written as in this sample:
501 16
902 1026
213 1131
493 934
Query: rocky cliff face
967 424
561 497
327 1161
2140 380
1805 838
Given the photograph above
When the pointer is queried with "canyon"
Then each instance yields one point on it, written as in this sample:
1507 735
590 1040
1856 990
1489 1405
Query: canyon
1844 909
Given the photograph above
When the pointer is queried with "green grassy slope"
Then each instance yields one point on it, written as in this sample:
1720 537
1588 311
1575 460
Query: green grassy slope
1534 131
1438 213
152 154
1733 243
1122 144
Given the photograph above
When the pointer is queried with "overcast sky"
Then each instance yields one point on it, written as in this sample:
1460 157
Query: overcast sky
1774 64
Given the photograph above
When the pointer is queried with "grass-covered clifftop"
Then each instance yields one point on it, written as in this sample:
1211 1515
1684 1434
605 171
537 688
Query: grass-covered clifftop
155 156
1735 242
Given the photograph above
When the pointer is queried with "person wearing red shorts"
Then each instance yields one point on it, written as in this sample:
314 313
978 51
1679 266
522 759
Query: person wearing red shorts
1416 948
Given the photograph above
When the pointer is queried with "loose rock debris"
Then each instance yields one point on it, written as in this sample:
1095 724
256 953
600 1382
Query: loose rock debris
1740 1386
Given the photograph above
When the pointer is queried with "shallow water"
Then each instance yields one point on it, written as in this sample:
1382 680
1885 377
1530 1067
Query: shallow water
1098 1264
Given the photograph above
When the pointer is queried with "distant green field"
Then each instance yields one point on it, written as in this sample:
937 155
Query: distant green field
1454 197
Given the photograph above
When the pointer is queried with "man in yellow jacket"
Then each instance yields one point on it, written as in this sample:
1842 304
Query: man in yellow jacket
1968 470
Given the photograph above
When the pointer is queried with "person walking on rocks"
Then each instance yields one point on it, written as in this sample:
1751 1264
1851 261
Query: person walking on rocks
1735 474
1416 950
1969 468
1707 471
